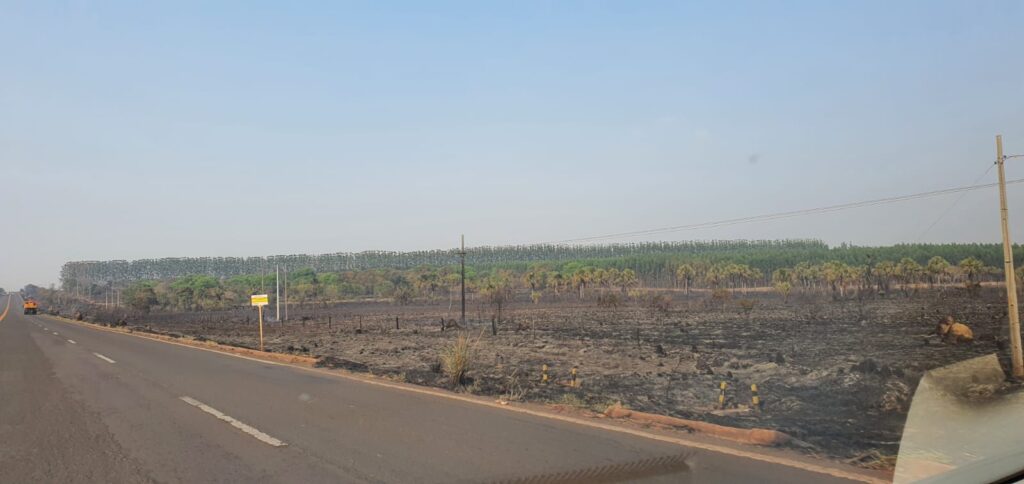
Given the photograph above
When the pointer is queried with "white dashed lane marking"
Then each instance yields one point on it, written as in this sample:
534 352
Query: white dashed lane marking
72 341
104 358
262 437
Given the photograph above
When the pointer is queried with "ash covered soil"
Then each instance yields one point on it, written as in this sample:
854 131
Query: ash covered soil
837 374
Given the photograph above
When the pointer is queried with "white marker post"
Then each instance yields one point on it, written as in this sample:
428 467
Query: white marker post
260 300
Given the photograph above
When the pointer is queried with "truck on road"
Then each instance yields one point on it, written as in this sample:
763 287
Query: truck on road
31 307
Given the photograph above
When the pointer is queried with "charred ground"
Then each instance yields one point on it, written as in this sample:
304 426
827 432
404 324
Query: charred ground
835 373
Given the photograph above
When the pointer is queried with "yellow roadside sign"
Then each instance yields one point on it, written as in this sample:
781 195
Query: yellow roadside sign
260 300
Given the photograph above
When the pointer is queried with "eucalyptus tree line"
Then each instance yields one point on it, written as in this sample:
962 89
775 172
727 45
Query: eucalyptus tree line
686 265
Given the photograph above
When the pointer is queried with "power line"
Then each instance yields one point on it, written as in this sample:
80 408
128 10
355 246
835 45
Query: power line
955 202
782 215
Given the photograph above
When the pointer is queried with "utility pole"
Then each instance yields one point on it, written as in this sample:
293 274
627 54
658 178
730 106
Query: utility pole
1017 358
462 255
277 283
285 293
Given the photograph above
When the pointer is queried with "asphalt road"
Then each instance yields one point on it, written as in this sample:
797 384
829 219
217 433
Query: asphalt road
82 405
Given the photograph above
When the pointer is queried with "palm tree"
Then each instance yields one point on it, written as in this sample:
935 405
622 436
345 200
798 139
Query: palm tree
599 277
751 275
807 274
784 287
834 273
713 276
857 274
627 278
936 268
581 278
556 281
535 277
908 271
971 268
497 290
612 277
685 273
782 274
884 271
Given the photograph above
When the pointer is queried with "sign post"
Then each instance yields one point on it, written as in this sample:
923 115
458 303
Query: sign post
260 300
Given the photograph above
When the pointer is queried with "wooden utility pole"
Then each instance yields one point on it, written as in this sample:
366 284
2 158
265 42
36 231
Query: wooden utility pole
261 326
1017 358
462 255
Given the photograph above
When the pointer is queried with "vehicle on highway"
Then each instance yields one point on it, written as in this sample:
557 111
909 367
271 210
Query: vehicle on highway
30 306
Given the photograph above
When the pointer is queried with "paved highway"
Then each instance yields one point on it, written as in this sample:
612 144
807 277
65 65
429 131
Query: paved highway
82 405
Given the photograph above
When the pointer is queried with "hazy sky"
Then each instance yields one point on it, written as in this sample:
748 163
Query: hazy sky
147 129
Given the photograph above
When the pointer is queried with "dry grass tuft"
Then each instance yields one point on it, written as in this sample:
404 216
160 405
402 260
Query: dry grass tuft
457 358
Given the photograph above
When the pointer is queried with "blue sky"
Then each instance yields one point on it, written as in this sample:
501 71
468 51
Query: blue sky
149 129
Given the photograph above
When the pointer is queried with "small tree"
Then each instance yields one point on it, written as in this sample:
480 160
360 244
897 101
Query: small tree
608 300
141 298
402 294
685 274
782 280
835 273
535 277
746 306
784 288
719 296
971 269
884 271
497 290
555 281
581 278
661 303
936 268
626 279
908 271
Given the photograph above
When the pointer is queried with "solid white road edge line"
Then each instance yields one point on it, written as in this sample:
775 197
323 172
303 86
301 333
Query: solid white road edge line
262 437
104 358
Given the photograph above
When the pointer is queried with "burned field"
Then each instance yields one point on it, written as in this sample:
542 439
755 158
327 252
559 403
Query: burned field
836 374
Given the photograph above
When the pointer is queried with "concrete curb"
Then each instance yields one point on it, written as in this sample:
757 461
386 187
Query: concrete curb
753 436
